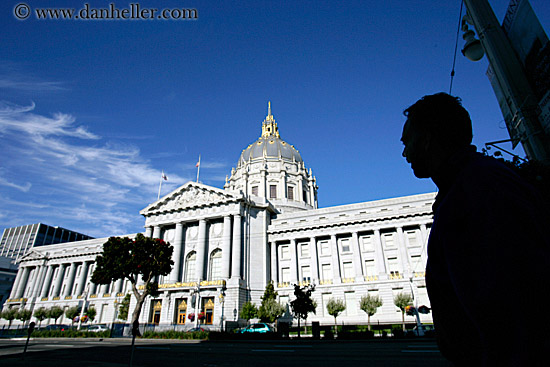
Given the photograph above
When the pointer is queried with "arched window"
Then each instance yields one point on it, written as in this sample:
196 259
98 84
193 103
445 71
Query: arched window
190 262
215 265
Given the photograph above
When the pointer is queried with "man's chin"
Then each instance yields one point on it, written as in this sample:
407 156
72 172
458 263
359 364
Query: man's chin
420 173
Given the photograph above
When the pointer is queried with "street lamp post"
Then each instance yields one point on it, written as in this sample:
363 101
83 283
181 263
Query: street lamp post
523 122
84 301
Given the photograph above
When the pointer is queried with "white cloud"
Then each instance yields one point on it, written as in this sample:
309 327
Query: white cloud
51 160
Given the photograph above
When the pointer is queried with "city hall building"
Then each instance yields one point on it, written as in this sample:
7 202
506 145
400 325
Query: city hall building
263 226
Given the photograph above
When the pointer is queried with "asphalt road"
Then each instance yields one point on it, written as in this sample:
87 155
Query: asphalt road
164 353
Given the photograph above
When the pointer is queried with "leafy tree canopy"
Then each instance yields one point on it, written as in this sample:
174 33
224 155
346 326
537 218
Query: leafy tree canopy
249 311
24 315
335 307
370 304
40 314
124 308
72 312
303 304
124 258
91 312
270 311
402 300
55 312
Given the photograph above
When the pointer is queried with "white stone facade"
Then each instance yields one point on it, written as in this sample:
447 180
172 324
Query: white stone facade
264 226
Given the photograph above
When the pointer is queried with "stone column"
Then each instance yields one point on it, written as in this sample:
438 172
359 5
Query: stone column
118 287
38 282
236 253
294 273
201 250
357 258
403 253
47 282
23 283
103 289
156 232
70 280
335 259
263 186
274 265
226 246
16 283
314 259
148 231
59 280
380 262
178 244
82 279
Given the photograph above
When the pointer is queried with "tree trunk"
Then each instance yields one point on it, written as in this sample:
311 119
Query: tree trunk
403 318
368 321
299 327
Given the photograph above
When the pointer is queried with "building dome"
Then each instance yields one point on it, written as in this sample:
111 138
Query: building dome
273 170
270 147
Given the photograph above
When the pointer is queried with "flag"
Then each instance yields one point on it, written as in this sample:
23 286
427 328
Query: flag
164 176
198 164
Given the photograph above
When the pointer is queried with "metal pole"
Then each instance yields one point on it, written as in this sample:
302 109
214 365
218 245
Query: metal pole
520 99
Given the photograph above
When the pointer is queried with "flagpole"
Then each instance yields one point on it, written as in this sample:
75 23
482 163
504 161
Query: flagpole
160 183
198 168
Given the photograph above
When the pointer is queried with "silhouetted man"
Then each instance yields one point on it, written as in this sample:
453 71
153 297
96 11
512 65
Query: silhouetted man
488 253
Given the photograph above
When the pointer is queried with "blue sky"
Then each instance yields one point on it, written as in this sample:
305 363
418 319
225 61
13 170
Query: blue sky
92 111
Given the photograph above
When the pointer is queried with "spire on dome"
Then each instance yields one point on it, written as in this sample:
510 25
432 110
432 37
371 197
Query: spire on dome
269 126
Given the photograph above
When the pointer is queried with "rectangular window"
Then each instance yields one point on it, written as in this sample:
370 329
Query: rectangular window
324 247
283 300
388 240
304 250
325 297
326 271
285 252
181 311
255 190
285 275
306 273
351 303
370 268
345 245
348 270
367 243
413 240
273 191
393 266
290 193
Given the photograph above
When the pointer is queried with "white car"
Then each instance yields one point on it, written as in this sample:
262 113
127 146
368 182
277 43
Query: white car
97 328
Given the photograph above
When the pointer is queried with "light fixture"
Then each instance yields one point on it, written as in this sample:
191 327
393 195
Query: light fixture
473 50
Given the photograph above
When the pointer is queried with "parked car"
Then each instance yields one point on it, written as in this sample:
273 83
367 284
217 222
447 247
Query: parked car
257 328
195 329
60 327
98 328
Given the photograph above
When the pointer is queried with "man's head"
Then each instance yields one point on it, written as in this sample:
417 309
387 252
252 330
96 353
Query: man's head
437 126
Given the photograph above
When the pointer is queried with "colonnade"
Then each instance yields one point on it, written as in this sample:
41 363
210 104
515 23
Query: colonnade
378 254
230 246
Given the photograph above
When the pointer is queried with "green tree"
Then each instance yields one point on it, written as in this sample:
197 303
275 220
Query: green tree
72 312
302 305
24 315
270 310
370 305
124 308
90 312
40 314
124 258
335 307
249 311
10 314
55 312
402 300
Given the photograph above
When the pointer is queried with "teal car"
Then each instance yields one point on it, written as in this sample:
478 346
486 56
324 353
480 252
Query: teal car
257 328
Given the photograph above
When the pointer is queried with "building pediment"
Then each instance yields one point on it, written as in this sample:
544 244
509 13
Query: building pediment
33 255
191 195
